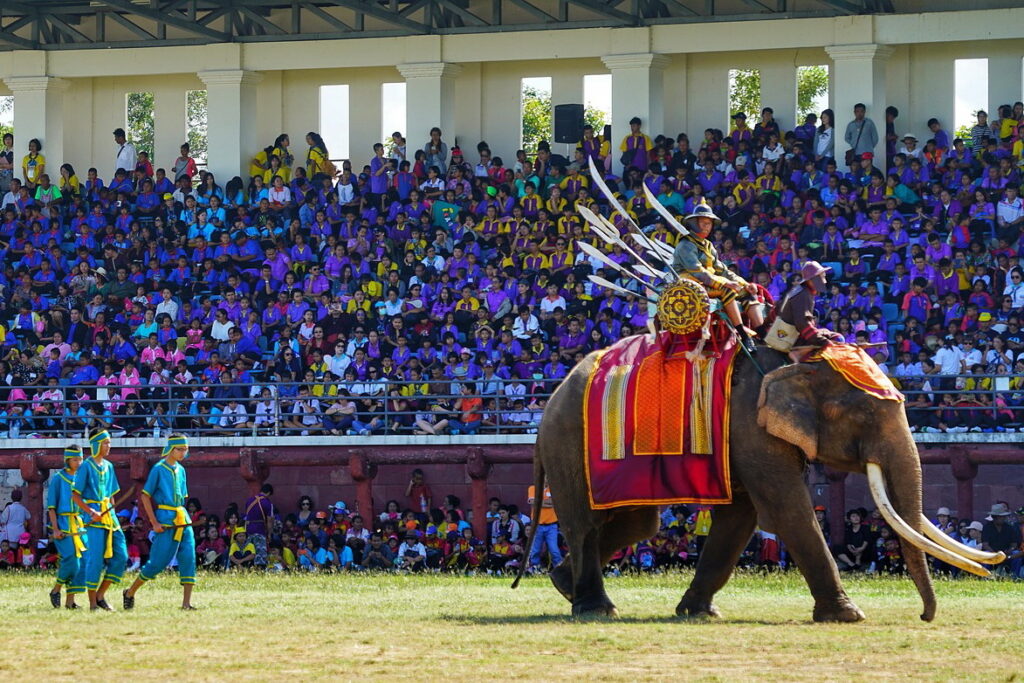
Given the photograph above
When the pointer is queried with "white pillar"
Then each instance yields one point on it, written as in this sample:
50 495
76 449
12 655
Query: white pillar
231 124
859 76
1004 82
778 91
637 90
429 101
39 114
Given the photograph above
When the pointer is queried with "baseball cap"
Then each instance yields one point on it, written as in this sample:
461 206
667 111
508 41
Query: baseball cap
168 195
985 317
321 515
867 155
24 538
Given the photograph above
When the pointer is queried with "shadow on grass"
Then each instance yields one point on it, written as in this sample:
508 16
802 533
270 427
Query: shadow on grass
483 620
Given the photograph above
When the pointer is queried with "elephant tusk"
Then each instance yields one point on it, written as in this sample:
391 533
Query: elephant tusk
949 543
876 482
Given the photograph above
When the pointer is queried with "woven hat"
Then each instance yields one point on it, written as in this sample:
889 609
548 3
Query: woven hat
811 270
702 210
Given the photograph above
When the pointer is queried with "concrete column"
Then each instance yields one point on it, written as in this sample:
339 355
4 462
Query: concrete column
778 91
231 124
429 100
637 90
34 477
858 72
964 471
1004 82
39 113
362 473
477 468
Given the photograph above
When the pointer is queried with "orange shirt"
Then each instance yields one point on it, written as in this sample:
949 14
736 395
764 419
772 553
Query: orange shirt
547 515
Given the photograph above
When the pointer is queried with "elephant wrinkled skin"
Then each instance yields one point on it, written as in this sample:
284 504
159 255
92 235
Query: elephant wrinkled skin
808 412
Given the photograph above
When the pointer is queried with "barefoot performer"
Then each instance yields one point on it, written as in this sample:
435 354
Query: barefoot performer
166 491
68 533
94 490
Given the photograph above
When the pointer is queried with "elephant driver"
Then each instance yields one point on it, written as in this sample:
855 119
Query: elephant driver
695 258
797 312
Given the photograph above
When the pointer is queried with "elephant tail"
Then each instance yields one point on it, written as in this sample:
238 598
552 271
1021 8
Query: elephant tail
538 498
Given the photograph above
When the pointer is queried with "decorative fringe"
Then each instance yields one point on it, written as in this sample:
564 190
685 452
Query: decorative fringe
698 349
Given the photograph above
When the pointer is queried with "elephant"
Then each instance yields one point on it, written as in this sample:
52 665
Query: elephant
779 421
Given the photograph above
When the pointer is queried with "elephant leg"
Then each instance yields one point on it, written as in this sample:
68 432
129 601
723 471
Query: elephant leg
731 527
625 528
589 597
793 520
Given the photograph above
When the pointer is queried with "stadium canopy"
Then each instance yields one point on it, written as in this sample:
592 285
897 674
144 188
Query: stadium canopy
76 24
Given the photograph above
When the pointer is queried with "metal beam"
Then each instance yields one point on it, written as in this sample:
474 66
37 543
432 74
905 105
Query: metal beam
329 18
172 18
375 11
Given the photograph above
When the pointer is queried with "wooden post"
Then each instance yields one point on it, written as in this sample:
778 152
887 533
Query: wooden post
362 472
477 468
34 477
836 503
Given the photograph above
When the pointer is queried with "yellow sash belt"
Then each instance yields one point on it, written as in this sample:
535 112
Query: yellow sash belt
180 519
106 522
75 531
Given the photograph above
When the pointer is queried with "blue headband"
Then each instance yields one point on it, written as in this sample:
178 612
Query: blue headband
173 442
72 452
96 439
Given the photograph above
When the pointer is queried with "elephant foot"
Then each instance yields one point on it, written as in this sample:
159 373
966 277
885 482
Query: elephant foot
693 606
843 611
561 578
596 609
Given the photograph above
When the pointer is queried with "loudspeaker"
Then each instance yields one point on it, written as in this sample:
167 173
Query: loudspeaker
568 123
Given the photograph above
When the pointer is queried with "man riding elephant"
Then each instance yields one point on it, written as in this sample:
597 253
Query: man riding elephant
696 258
796 321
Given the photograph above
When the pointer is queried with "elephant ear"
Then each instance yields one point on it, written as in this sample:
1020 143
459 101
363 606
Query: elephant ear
787 409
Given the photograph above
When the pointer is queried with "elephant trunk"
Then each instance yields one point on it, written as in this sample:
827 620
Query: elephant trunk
902 472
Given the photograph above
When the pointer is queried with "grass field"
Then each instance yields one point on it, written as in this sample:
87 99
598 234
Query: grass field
319 627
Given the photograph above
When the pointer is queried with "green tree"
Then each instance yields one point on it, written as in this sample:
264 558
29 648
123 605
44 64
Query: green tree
745 93
6 107
139 117
195 120
596 119
811 84
537 119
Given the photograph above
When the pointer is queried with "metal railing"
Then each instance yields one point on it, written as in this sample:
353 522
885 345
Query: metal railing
401 407
383 407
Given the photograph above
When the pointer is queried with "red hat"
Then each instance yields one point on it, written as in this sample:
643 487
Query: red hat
819 508
456 152
321 515
867 155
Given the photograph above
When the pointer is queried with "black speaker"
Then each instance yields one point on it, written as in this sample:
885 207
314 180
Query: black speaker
568 123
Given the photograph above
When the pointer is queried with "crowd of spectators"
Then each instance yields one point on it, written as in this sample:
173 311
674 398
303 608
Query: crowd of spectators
429 292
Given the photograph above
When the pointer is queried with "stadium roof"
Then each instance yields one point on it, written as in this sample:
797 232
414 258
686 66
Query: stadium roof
80 24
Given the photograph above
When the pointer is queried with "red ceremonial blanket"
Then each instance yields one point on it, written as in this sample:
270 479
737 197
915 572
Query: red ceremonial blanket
859 369
656 424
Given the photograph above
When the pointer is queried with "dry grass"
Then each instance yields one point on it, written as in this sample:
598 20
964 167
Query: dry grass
433 627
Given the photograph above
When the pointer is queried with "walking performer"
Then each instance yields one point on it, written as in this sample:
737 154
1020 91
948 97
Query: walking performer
696 258
68 533
94 490
166 491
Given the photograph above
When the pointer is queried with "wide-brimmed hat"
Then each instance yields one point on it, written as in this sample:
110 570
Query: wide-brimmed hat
702 210
999 510
942 511
910 136
811 270
977 526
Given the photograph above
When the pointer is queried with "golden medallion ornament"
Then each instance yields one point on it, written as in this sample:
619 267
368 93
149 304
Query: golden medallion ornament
683 307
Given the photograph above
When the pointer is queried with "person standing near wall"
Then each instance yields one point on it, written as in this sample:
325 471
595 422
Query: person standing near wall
861 134
68 533
259 519
126 155
546 530
14 519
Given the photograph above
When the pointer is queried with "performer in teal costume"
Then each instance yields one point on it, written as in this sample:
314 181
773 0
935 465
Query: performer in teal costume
94 490
68 532
163 500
